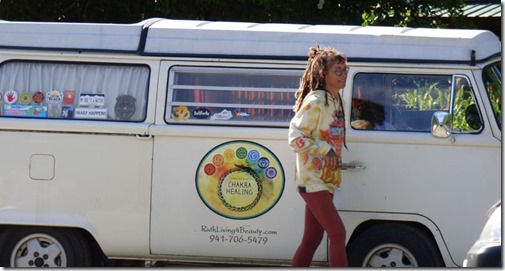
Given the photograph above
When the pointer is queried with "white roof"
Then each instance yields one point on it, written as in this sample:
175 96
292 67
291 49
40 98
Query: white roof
188 37
70 35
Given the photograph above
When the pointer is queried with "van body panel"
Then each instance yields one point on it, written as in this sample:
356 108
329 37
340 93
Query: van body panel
79 127
435 163
174 191
98 179
402 171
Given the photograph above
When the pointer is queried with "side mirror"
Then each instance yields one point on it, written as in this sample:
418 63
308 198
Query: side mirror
472 117
441 124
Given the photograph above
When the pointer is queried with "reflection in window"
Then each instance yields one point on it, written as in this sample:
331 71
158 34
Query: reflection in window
403 102
231 96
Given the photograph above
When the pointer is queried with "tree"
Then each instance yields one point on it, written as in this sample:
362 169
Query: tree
413 13
106 11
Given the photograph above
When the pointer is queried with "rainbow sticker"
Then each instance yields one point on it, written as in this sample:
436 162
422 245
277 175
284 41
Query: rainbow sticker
240 179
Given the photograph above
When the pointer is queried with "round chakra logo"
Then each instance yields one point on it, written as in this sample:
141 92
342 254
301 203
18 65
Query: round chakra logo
240 179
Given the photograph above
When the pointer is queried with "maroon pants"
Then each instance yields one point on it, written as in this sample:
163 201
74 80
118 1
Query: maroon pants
320 216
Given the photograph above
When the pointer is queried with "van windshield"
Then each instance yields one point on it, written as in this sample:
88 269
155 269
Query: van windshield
492 80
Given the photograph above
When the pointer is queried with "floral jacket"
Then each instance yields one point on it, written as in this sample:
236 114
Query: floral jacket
313 131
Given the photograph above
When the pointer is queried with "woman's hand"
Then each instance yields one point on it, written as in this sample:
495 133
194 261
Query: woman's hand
331 160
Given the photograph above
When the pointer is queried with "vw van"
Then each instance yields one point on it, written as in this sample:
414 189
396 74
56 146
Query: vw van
166 141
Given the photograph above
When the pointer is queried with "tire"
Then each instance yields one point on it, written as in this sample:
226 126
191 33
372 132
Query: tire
43 247
393 245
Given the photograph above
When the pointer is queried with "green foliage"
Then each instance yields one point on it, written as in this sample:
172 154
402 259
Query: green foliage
414 13
426 96
261 11
119 11
462 100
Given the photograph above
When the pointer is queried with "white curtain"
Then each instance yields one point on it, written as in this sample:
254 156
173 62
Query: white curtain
111 80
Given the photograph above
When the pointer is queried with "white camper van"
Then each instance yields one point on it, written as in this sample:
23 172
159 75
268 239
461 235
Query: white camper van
166 140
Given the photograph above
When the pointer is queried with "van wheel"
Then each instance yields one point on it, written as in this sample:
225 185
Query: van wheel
43 247
393 245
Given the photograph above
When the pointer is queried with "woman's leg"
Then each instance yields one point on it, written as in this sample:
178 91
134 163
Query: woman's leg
312 236
322 209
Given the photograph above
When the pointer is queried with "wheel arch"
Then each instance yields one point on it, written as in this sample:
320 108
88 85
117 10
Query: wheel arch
359 222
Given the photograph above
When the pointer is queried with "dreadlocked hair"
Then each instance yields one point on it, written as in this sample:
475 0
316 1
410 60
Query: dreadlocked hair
320 61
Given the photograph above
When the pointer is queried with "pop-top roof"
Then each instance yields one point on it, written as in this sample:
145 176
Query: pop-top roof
236 39
91 36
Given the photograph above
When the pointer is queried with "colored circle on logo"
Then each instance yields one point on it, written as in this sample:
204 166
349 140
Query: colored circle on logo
218 160
229 154
263 162
209 169
253 156
240 188
241 153
271 172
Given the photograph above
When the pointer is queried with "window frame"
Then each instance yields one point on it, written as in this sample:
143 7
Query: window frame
495 69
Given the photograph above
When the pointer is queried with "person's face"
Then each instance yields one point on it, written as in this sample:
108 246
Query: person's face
335 77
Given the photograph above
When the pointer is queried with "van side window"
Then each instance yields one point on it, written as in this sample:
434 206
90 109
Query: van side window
81 91
405 102
228 96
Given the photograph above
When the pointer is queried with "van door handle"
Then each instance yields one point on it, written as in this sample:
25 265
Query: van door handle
347 166
144 136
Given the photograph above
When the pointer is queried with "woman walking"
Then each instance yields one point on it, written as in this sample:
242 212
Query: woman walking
317 134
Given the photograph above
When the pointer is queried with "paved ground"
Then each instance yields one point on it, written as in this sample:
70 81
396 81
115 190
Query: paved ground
117 263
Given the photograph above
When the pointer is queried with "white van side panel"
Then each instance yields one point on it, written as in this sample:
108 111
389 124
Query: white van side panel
183 225
96 182
416 173
417 185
